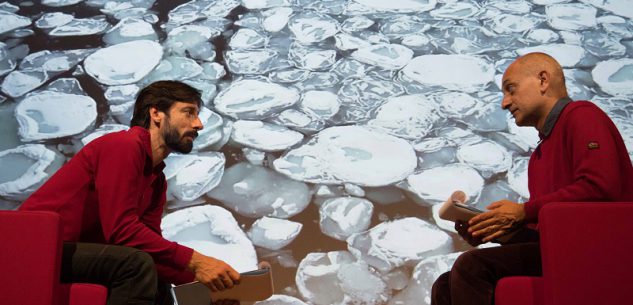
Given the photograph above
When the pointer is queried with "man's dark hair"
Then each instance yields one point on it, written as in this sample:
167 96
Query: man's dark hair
161 95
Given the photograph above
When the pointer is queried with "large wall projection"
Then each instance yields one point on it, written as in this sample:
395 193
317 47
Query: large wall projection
333 128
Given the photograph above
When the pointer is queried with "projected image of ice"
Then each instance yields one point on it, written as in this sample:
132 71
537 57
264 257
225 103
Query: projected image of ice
333 128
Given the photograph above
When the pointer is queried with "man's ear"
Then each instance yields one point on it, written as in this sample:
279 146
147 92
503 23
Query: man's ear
156 116
545 79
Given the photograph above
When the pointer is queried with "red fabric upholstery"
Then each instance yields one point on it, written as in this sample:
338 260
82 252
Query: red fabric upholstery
30 263
586 251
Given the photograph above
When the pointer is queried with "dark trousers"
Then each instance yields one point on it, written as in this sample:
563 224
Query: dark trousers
475 273
129 273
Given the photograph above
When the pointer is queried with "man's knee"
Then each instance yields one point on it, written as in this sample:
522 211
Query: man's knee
466 263
141 262
440 292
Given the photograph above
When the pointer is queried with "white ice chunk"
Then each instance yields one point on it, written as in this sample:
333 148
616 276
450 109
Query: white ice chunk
456 10
518 177
361 97
349 154
356 23
321 104
387 245
130 29
513 6
618 7
254 99
571 16
195 174
409 116
262 4
436 184
276 18
60 3
273 233
255 191
343 216
124 63
18 83
567 55
25 168
418 291
8 7
345 42
438 70
317 277
190 39
309 27
487 157
264 136
508 23
174 68
543 36
212 131
54 61
394 6
212 231
615 76
248 39
309 58
386 56
103 130
280 299
44 115
362 285
527 134
10 21
53 20
254 156
81 27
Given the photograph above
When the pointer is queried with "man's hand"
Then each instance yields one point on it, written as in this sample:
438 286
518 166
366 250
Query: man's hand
503 217
462 229
214 273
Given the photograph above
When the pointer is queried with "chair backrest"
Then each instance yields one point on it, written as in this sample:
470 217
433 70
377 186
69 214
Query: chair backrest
29 257
587 252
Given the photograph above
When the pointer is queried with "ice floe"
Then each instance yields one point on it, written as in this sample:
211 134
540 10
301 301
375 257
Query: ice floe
409 116
280 299
81 27
618 7
248 39
615 76
130 29
192 38
309 27
191 176
507 23
566 55
255 191
349 154
439 70
418 291
254 99
53 20
276 19
273 233
396 6
103 130
44 115
487 157
455 10
18 83
436 184
25 169
571 16
386 56
387 245
360 97
264 136
212 231
343 216
60 3
310 58
124 63
321 104
10 21
518 177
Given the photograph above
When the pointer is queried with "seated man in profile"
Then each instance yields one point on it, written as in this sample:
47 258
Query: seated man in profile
111 195
581 157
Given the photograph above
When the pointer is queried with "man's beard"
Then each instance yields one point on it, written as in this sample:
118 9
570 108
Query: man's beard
175 142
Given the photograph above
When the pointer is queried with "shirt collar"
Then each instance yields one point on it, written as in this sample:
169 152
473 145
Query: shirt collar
144 136
553 115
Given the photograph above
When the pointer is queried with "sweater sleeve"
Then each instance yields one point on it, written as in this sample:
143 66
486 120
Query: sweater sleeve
590 143
119 169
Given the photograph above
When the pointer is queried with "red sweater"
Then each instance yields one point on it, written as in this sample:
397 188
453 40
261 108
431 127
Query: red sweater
582 159
109 193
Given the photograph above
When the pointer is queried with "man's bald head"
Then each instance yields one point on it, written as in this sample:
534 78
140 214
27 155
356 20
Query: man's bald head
534 64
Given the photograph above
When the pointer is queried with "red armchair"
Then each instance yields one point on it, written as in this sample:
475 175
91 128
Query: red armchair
30 262
587 258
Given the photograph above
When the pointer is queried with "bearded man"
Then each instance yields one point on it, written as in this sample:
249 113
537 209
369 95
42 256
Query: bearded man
110 197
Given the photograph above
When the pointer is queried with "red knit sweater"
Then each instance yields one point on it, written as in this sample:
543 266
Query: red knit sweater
109 193
582 159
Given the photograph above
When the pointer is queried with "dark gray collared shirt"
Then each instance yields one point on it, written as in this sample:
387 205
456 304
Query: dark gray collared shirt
553 115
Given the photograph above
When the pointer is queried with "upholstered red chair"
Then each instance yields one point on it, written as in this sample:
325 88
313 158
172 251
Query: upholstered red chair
587 258
30 260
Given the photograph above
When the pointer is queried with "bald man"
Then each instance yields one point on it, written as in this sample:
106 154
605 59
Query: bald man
581 157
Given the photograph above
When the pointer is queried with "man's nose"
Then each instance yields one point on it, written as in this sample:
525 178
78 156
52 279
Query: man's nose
505 103
197 124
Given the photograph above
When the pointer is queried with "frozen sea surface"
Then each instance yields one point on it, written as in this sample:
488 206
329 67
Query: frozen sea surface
124 63
439 70
25 169
273 233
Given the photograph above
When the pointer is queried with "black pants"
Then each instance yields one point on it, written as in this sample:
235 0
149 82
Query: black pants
474 275
129 273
